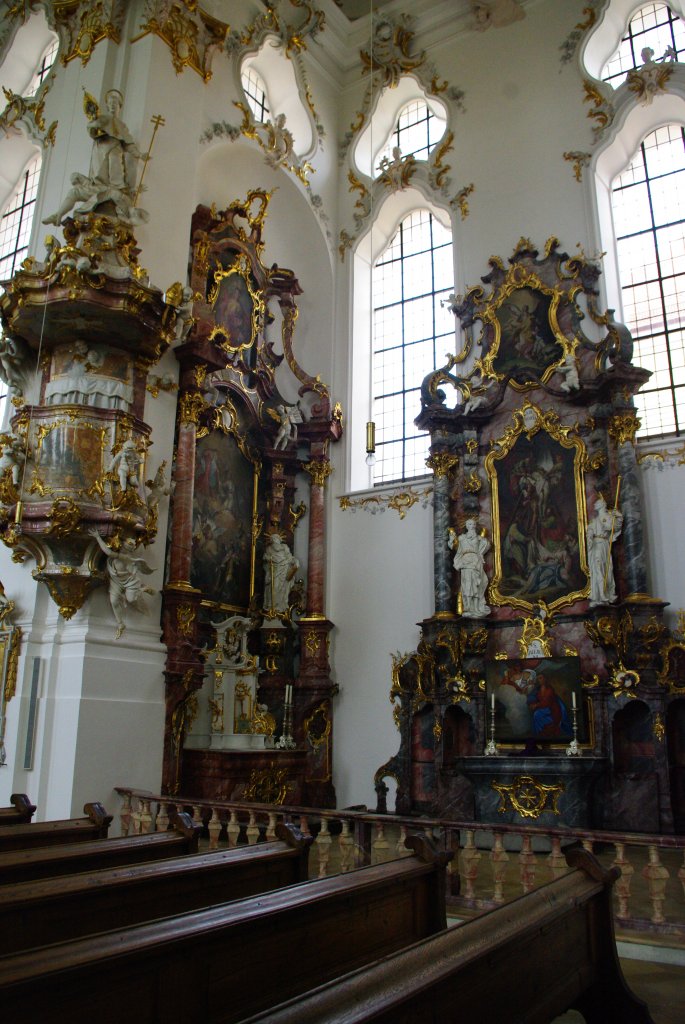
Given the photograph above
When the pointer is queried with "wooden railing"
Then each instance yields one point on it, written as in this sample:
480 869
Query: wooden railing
493 863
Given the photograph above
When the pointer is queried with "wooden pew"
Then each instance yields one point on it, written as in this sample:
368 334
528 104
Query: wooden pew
52 833
20 813
70 906
528 961
234 959
97 854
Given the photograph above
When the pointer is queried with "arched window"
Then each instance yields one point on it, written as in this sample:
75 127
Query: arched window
654 26
417 130
648 202
46 61
411 332
255 92
16 220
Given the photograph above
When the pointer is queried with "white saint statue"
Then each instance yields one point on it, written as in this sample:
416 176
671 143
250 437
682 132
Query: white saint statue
280 567
602 531
470 549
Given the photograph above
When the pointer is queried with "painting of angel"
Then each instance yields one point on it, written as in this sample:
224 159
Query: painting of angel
527 344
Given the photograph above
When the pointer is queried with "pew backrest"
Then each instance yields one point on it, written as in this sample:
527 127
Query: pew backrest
234 959
19 813
93 855
530 960
70 906
94 825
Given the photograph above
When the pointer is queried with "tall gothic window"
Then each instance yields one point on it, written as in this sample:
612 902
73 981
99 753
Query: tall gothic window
654 26
412 331
649 220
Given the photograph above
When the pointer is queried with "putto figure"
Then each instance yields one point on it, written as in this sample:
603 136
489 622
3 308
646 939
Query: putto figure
126 588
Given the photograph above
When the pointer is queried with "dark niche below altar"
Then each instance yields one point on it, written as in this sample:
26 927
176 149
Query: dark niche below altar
545 688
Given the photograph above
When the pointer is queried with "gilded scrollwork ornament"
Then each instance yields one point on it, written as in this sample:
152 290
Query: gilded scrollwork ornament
191 33
528 796
623 427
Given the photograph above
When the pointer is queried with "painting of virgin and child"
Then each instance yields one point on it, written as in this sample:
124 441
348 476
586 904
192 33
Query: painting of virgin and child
534 699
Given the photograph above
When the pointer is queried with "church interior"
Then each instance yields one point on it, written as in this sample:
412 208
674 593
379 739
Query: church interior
341 464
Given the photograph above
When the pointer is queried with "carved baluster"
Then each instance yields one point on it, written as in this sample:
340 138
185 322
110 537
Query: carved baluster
125 814
381 847
469 859
323 847
622 884
135 817
402 850
214 828
587 845
556 860
527 864
198 811
271 827
346 844
233 829
499 858
162 819
252 831
657 876
304 825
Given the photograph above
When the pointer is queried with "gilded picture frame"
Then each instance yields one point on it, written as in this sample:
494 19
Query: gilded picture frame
237 305
534 700
535 471
225 522
524 339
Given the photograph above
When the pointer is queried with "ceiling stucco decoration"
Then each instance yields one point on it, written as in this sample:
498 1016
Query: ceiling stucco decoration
191 34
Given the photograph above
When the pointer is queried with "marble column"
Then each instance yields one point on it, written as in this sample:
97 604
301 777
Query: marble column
181 546
319 470
442 463
622 428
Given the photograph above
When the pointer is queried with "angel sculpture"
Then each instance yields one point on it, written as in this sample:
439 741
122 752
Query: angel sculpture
126 464
157 486
13 456
288 417
125 585
113 166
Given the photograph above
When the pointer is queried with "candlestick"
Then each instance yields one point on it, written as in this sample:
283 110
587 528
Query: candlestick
573 750
491 747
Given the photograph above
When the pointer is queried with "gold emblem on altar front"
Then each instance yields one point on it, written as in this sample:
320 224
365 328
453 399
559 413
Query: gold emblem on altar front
528 796
267 785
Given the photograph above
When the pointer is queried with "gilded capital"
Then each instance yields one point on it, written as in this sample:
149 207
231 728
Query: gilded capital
623 427
442 463
319 471
190 407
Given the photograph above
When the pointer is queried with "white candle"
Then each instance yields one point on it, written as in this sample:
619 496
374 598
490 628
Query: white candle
573 701
492 701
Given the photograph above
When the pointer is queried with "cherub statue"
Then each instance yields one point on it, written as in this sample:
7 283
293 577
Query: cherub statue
125 585
14 357
158 486
13 457
181 298
569 371
126 464
288 417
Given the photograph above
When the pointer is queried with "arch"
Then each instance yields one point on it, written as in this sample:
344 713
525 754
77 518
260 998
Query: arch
23 51
391 212
382 120
603 41
627 132
284 92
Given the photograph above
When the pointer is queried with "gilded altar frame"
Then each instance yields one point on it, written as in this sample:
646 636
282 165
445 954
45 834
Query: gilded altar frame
225 328
570 581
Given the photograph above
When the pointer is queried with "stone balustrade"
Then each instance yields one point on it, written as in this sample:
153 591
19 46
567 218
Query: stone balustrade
495 863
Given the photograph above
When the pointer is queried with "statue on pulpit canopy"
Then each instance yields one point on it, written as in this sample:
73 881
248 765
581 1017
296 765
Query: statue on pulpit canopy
113 166
469 558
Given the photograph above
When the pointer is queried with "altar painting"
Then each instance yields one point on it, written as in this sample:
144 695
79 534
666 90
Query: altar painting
534 700
527 345
223 515
68 458
538 520
236 307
